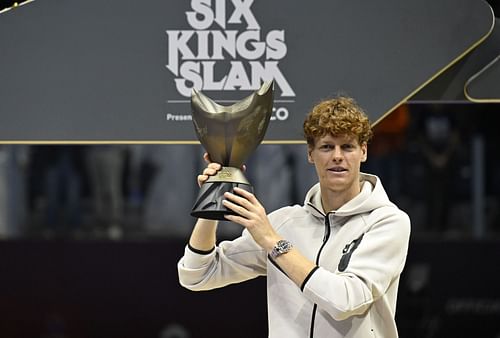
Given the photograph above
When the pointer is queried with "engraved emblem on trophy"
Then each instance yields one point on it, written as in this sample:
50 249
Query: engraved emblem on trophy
229 135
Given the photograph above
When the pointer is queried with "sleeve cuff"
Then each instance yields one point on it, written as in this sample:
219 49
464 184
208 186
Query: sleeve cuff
200 252
193 259
308 277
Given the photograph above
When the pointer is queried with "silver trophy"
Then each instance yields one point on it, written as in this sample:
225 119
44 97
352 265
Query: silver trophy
229 134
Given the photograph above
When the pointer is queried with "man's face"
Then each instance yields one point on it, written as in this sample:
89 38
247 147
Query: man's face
338 161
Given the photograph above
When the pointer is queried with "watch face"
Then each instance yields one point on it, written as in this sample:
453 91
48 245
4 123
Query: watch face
283 246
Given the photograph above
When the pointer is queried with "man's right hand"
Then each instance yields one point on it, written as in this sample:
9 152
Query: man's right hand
211 169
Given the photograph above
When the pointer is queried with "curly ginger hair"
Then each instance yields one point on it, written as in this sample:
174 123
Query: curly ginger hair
337 116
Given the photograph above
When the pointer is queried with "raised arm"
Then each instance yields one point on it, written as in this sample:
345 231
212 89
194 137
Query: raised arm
203 238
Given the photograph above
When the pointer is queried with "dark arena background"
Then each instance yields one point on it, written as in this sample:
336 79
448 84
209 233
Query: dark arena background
98 159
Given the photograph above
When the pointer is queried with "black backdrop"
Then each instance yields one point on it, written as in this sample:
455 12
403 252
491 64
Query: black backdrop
130 290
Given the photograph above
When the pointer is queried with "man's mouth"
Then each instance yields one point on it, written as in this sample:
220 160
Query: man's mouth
337 169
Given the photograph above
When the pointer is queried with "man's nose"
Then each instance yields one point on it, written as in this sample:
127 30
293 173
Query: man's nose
337 154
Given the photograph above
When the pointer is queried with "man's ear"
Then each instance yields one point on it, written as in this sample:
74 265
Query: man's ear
364 150
309 157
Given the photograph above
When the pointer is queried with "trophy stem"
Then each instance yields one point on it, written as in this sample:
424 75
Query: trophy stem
229 174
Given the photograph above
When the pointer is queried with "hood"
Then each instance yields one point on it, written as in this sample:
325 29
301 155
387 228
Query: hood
372 196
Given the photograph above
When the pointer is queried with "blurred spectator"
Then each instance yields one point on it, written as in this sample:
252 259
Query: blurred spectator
12 181
386 150
56 178
271 178
172 193
487 126
439 140
105 165
270 173
138 174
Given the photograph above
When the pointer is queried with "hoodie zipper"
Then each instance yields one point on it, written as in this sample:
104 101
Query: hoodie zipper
326 236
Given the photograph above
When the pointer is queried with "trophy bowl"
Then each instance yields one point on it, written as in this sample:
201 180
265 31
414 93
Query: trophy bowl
229 134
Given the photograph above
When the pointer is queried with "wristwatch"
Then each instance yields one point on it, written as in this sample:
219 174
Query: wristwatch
281 247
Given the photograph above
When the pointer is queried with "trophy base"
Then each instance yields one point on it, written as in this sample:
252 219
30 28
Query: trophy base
209 205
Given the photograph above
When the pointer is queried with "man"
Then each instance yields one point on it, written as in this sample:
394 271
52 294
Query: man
332 264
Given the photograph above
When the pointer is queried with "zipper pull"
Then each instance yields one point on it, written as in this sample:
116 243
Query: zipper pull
348 247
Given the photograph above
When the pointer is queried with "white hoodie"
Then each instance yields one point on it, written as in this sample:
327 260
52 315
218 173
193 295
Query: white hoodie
360 251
